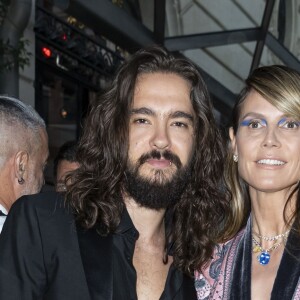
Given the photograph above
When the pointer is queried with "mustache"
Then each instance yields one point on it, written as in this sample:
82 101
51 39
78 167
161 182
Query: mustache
168 155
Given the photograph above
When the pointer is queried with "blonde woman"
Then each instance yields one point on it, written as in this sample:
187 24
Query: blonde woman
261 261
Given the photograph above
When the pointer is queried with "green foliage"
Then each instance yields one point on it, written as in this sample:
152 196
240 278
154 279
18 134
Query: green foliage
4 4
8 53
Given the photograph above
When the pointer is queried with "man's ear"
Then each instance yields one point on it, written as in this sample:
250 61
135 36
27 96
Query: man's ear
233 141
21 165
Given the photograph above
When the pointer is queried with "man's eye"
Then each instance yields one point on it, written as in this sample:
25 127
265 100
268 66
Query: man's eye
141 121
179 124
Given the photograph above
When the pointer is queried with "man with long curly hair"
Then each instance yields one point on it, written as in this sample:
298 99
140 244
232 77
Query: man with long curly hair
143 201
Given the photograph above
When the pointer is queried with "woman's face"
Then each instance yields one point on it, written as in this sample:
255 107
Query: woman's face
267 143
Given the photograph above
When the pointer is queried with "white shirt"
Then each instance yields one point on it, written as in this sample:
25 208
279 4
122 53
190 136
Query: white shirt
2 218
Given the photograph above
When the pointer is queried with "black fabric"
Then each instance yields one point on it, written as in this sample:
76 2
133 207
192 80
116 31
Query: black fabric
287 276
289 270
94 257
39 252
2 214
241 272
44 256
123 249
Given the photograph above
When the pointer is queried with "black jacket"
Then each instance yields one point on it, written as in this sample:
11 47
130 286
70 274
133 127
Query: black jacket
44 256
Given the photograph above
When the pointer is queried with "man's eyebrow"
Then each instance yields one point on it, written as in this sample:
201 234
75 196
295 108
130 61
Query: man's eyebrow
173 115
143 111
182 114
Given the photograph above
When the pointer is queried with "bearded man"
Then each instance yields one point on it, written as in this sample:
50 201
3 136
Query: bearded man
150 161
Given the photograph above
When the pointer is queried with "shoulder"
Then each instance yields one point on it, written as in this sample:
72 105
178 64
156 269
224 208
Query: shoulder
207 277
43 206
210 279
51 201
39 215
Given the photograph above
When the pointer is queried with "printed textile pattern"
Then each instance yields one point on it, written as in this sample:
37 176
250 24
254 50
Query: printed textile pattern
212 282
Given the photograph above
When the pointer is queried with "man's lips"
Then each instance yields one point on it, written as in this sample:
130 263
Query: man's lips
159 163
160 160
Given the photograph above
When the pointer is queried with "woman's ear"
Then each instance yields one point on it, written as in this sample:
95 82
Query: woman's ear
233 141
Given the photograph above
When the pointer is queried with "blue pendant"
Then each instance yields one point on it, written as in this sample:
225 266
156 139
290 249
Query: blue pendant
263 258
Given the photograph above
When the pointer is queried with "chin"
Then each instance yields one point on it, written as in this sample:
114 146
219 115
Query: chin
157 176
269 188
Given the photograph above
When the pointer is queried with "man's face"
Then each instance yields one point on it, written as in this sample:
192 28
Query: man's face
37 163
64 167
161 136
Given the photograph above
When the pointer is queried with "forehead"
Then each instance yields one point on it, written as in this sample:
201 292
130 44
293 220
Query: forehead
65 165
164 90
257 104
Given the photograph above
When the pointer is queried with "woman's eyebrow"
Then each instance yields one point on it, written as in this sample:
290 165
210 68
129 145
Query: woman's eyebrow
254 115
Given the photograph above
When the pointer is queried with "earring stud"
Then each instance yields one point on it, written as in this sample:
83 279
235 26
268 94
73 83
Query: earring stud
21 181
235 158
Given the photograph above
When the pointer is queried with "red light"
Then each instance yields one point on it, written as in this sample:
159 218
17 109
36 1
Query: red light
47 52
64 37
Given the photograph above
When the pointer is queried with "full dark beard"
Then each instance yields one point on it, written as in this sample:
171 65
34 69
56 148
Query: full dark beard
159 191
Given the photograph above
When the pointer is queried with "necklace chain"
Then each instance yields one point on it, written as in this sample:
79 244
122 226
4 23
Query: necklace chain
258 247
272 238
265 254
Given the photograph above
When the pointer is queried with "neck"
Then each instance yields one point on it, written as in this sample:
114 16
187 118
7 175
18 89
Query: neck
268 211
6 199
7 193
148 222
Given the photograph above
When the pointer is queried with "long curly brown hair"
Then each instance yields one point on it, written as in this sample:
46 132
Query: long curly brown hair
95 189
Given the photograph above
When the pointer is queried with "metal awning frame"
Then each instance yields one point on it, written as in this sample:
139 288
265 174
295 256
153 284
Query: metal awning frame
111 21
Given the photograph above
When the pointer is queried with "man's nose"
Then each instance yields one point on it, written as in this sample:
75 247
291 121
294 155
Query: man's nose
160 139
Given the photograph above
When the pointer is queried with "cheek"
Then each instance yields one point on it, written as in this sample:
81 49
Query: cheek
138 136
136 148
246 147
246 154
184 148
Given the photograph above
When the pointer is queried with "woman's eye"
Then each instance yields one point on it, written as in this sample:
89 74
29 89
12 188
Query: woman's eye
255 124
291 124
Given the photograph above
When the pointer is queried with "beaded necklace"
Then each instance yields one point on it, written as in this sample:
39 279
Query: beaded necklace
265 254
272 238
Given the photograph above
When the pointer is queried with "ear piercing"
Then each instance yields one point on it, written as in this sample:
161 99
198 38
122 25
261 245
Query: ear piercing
235 157
21 181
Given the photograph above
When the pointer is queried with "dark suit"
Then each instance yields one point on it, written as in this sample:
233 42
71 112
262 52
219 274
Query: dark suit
44 256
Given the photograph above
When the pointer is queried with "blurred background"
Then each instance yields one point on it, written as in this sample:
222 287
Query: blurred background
57 55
